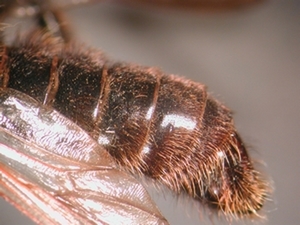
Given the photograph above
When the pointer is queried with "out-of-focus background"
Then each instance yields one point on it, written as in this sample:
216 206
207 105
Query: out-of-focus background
249 59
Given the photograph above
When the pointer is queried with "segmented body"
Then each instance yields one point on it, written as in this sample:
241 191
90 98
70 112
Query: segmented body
165 127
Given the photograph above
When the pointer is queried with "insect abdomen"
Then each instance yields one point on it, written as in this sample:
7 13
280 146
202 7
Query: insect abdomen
163 126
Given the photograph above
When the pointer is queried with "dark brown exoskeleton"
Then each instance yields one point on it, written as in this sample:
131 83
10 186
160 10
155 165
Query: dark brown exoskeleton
160 125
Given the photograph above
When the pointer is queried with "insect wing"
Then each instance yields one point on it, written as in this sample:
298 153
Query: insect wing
52 171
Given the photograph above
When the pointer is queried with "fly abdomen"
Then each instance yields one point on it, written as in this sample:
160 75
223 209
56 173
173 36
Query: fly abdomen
165 127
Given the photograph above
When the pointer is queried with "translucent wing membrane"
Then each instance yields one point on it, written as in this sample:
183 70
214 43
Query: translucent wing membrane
55 173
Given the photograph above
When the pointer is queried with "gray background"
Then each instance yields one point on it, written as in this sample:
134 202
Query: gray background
249 59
